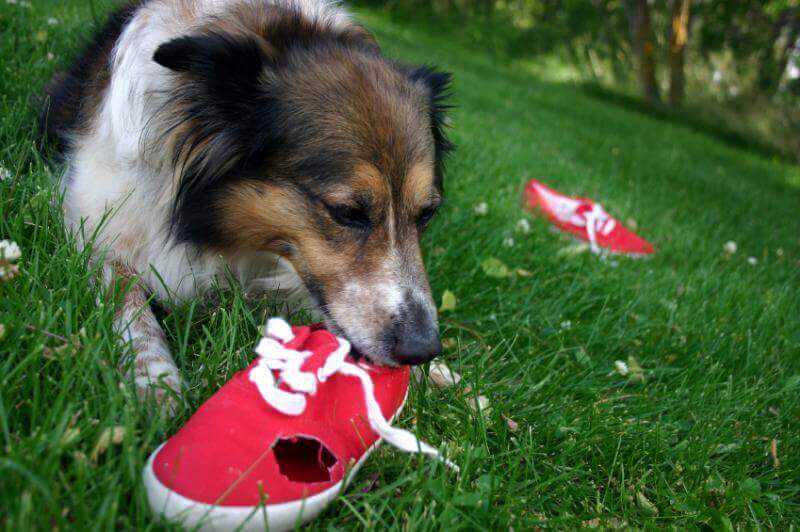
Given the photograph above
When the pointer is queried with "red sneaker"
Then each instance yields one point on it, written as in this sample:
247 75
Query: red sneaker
585 219
280 440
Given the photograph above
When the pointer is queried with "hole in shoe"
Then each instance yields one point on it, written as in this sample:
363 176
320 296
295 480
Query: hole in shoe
303 459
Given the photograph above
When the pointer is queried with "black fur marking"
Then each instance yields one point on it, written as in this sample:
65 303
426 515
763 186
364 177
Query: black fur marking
218 57
72 96
438 84
228 122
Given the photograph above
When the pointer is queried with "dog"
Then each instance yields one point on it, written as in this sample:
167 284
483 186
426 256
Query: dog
268 138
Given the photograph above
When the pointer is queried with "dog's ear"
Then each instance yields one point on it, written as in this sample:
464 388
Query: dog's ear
222 61
437 86
220 118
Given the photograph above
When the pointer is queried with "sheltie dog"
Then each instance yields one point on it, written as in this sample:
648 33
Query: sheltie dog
268 138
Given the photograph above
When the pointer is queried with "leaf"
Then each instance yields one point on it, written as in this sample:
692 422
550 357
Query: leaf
720 522
636 371
512 425
449 343
441 376
468 499
111 435
436 487
573 250
486 483
494 267
750 487
70 435
644 504
726 448
481 403
582 358
449 301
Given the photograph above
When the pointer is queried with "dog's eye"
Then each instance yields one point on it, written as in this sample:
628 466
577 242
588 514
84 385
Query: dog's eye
349 216
426 215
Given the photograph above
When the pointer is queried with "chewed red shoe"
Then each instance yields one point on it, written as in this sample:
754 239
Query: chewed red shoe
586 220
279 441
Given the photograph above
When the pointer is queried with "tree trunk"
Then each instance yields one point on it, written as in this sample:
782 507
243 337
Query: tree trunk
644 46
786 53
773 59
677 50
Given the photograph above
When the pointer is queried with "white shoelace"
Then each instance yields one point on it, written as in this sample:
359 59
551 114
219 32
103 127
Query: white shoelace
273 355
596 220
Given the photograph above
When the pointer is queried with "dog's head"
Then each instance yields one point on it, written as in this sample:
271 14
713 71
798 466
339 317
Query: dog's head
302 139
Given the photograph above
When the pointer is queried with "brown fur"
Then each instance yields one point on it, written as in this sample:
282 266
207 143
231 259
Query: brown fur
419 189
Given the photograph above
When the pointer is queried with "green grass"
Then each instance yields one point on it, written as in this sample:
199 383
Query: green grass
685 443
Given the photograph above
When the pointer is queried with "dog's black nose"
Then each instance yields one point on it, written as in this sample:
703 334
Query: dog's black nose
416 337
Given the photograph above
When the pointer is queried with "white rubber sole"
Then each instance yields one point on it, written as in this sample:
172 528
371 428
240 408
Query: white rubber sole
195 515
200 516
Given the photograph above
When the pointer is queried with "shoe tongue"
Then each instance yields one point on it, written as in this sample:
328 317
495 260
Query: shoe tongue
301 335
321 343
584 207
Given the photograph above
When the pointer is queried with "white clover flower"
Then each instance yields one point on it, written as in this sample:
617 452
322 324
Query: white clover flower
730 247
52 21
752 261
11 2
9 251
5 173
621 367
508 242
566 325
523 226
50 56
481 209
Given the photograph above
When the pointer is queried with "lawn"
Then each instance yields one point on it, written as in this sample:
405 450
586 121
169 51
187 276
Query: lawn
702 431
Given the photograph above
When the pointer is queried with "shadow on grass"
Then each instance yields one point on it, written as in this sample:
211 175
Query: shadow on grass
684 116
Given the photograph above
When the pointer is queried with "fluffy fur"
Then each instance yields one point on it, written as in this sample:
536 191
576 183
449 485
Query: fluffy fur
268 137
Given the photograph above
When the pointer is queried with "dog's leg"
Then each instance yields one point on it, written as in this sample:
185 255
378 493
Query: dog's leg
147 358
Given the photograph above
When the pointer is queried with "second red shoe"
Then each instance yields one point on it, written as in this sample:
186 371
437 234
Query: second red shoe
586 220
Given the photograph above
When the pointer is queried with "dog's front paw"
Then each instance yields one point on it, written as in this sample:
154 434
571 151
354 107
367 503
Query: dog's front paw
164 393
